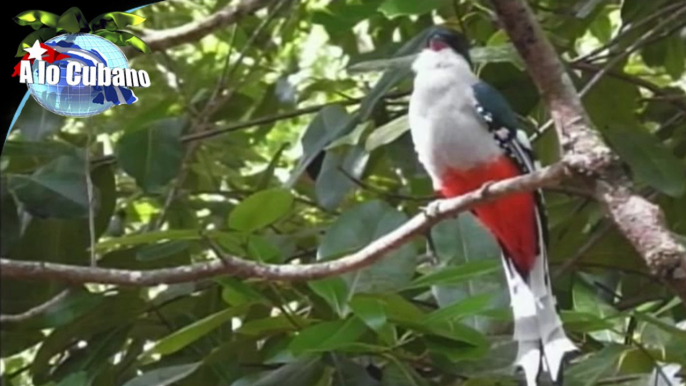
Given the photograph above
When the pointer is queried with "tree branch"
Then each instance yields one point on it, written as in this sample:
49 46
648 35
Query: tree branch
217 131
35 311
191 32
236 266
639 220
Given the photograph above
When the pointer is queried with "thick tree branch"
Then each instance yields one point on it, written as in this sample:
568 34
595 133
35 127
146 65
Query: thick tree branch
639 220
236 266
194 31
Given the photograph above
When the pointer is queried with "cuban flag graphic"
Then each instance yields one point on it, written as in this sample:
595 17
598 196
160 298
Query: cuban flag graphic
116 94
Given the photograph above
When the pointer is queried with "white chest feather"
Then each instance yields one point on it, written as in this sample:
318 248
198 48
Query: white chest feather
446 129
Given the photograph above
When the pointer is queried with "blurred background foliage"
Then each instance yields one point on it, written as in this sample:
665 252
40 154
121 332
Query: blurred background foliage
284 138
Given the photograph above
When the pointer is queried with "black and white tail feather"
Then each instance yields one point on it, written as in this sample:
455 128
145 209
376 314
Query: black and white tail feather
542 343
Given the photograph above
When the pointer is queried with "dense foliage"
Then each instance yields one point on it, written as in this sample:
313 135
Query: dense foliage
284 139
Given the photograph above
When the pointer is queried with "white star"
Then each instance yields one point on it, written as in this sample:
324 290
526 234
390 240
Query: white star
36 51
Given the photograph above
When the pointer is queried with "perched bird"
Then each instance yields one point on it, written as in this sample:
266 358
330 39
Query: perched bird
466 135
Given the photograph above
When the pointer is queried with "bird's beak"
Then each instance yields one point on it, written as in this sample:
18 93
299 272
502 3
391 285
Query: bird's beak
437 44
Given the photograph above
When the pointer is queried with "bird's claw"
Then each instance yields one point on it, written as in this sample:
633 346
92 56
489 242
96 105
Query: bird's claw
485 186
432 209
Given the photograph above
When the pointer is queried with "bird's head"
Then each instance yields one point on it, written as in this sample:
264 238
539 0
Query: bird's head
445 47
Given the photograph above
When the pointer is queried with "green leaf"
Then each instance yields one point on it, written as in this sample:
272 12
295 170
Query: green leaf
42 35
268 174
36 123
675 58
164 376
36 19
9 218
123 38
673 330
335 291
152 155
586 301
387 133
328 336
72 21
397 373
237 293
110 314
56 190
261 249
272 325
25 157
349 373
78 302
338 17
181 338
148 238
304 371
75 379
14 342
470 306
115 20
331 122
457 274
391 78
500 53
588 371
356 228
352 138
261 209
161 250
61 241
370 310
612 102
650 161
394 8
332 184
465 241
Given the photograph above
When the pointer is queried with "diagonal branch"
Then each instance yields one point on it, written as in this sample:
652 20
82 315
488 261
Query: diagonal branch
35 311
639 220
194 31
236 266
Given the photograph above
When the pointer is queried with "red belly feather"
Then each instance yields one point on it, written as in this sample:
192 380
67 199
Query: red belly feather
511 219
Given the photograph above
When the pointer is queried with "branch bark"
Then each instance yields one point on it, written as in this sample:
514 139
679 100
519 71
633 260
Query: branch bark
639 220
194 31
236 266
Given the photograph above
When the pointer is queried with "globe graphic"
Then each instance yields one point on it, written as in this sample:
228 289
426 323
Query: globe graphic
76 101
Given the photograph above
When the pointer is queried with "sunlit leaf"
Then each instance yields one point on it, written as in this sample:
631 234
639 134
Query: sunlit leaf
261 209
36 19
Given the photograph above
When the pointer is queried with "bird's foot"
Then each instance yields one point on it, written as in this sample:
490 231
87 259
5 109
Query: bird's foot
432 209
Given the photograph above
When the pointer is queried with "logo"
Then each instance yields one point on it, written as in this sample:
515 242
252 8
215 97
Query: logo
75 68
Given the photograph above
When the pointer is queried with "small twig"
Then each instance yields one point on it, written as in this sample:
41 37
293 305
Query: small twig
380 192
91 199
35 311
164 39
629 50
207 134
659 13
219 100
581 252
